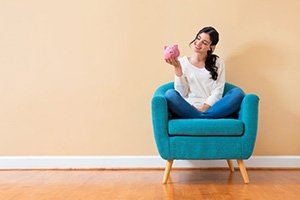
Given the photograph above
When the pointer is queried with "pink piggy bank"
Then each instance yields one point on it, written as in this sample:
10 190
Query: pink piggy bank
171 51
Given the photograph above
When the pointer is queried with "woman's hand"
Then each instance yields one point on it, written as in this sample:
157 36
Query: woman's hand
200 109
173 61
204 108
176 64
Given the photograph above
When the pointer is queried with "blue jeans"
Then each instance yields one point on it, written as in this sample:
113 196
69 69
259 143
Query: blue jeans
225 107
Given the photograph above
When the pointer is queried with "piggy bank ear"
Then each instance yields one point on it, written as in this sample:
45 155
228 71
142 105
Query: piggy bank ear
176 45
165 47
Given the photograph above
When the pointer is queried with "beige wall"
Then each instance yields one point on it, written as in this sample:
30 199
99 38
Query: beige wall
76 77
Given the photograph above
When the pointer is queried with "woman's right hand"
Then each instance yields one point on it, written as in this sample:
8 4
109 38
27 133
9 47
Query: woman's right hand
176 64
173 61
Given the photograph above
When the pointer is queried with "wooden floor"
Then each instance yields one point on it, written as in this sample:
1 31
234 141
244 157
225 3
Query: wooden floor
146 184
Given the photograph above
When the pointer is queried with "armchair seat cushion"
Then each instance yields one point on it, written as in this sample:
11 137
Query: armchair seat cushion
205 127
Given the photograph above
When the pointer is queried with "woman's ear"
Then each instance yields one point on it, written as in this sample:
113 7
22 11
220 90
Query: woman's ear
212 47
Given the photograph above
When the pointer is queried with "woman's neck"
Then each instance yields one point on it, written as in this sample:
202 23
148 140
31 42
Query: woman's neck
197 59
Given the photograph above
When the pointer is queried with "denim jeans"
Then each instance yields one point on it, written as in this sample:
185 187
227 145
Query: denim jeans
225 107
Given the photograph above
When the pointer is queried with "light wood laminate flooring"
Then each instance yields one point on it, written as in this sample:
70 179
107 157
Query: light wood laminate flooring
146 184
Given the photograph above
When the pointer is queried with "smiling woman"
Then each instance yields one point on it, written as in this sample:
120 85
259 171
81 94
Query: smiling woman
199 82
206 41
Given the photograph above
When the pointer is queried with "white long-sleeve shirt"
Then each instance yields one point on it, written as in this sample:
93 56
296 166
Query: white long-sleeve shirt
196 85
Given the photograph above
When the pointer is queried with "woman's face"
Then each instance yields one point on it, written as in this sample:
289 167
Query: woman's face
202 44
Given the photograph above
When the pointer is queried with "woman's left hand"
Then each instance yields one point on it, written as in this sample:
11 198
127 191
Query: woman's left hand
204 108
199 109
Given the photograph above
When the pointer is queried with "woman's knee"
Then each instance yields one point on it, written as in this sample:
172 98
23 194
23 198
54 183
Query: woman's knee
240 92
237 92
171 94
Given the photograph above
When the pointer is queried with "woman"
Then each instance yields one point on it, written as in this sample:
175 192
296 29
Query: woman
199 82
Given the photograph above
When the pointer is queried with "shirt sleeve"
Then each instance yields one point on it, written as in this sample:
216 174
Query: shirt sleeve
218 86
181 85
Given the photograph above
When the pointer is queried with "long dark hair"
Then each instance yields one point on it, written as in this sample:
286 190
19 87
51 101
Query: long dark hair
210 62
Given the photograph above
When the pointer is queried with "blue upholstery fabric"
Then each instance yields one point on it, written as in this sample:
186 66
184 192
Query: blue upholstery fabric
198 127
205 148
193 139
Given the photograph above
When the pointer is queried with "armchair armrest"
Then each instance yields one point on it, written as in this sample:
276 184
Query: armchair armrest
249 115
160 120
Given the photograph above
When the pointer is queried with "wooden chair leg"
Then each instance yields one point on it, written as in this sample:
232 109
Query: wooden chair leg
167 171
230 164
243 170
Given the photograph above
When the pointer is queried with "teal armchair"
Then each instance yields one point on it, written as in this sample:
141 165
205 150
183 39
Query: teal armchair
205 139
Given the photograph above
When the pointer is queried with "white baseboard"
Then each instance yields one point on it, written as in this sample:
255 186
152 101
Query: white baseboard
125 162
